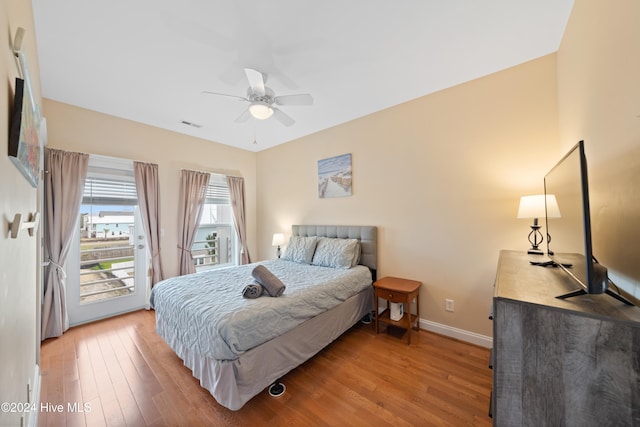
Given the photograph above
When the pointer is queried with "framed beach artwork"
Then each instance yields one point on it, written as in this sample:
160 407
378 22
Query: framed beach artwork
24 144
334 177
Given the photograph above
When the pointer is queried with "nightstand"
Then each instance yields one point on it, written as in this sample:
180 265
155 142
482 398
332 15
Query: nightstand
394 289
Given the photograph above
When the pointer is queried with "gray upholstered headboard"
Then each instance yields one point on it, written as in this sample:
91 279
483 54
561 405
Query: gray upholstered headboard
367 234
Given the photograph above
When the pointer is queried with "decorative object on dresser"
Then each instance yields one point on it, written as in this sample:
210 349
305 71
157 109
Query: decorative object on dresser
534 207
398 291
278 240
561 362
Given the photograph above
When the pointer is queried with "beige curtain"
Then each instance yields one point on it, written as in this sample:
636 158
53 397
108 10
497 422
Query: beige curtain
236 190
64 185
148 189
193 188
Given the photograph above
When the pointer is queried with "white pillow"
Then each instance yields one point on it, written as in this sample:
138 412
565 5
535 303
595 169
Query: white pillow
337 253
301 249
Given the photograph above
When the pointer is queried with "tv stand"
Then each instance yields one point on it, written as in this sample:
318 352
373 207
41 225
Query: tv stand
579 292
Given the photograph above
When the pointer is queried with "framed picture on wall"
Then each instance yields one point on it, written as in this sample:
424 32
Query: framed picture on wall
24 143
334 176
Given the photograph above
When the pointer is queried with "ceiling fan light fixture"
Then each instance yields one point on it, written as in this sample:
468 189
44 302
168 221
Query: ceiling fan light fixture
260 110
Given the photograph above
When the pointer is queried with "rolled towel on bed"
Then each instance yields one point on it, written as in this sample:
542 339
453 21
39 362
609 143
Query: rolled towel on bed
253 290
271 283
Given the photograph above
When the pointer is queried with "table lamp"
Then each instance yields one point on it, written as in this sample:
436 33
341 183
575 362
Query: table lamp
278 240
535 207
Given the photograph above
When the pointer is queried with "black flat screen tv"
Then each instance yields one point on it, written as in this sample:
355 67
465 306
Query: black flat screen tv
572 246
16 118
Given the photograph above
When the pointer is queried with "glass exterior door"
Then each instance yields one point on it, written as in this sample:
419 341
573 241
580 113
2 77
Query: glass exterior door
106 271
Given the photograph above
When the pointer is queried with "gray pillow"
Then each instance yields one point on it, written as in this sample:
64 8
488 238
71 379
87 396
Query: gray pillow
336 253
300 249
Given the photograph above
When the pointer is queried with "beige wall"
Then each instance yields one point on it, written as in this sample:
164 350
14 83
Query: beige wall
19 296
599 102
76 129
440 176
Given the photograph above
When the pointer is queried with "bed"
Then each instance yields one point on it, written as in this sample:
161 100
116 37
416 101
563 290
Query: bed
237 347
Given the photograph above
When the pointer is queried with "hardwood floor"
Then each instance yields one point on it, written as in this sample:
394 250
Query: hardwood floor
119 372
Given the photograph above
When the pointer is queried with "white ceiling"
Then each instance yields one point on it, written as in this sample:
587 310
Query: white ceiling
149 60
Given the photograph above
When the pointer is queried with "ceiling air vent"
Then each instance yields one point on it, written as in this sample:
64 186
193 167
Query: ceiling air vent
194 125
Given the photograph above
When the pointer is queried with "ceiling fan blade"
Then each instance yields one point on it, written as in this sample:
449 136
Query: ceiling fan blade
300 99
239 98
282 117
256 81
243 117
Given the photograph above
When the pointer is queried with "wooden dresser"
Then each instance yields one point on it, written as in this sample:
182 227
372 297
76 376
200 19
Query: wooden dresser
573 362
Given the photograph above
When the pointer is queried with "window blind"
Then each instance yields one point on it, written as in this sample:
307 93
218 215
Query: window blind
104 191
218 191
217 194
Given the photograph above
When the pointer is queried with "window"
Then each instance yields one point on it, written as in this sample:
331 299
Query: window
215 242
106 258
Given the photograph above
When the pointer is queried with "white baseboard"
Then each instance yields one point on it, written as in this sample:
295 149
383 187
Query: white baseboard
459 334
31 417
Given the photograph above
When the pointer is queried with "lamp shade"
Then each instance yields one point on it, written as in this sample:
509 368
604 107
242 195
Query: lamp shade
278 239
534 207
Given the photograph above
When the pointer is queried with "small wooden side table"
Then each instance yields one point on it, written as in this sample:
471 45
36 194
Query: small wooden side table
394 289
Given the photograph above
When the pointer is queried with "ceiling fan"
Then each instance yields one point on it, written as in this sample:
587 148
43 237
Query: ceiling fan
262 100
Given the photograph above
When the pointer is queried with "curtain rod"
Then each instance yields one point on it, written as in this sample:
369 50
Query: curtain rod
142 161
99 155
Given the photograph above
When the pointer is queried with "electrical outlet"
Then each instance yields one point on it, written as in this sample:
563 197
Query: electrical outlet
448 305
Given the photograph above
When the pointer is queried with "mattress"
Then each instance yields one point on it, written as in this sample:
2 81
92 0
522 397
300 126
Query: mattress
206 313
234 382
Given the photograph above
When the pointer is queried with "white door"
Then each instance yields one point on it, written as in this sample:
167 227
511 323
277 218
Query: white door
107 263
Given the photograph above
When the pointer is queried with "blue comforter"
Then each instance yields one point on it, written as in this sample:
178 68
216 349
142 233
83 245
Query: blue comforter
208 314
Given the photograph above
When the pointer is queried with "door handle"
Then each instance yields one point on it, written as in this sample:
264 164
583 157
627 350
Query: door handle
140 246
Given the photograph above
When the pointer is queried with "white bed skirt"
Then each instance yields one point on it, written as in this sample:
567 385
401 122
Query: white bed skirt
234 382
